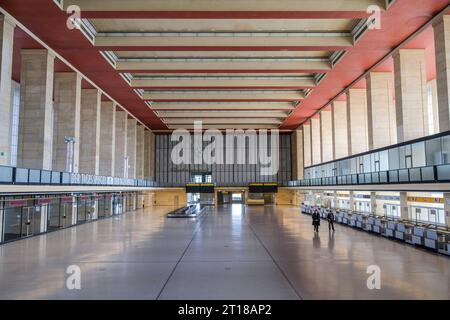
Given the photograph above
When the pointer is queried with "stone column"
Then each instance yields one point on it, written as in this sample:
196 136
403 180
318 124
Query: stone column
90 131
373 202
447 207
404 211
411 94
327 135
442 44
36 104
6 61
121 143
149 155
297 155
340 129
131 147
107 138
432 85
66 123
140 142
351 199
307 148
357 121
316 141
381 110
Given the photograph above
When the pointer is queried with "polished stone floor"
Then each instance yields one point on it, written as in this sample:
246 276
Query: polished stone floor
231 253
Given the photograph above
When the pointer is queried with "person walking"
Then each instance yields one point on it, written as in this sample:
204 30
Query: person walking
316 220
330 218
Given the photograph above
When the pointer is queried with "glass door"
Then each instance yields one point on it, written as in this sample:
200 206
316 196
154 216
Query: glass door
30 221
54 215
81 210
101 207
13 223
66 212
117 204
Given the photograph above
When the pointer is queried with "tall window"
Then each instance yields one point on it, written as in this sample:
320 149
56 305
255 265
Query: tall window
15 102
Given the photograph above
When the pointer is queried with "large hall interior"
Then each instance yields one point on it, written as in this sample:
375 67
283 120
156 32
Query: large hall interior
224 150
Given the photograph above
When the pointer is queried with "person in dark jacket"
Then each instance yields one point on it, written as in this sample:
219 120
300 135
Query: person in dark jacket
316 220
330 218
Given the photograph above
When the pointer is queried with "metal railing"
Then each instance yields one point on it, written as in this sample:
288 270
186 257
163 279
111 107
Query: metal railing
22 176
429 174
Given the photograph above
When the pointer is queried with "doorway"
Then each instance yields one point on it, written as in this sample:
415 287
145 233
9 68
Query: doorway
22 221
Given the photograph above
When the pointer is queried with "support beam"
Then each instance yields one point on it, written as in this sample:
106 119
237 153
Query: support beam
442 44
140 145
107 139
121 144
411 94
179 65
316 141
212 83
35 132
357 121
302 40
224 5
380 110
66 126
90 131
297 155
230 95
180 106
6 62
327 135
131 147
340 129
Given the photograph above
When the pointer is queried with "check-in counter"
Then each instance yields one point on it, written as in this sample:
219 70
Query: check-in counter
427 236
352 218
379 226
370 222
431 239
361 221
418 236
390 229
404 231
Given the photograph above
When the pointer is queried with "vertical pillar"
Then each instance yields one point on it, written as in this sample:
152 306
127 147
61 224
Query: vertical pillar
35 131
307 148
447 207
327 135
351 199
140 137
340 129
107 138
6 61
432 85
121 143
380 109
316 141
411 94
357 121
149 155
66 125
404 211
373 203
297 155
131 147
442 44
90 131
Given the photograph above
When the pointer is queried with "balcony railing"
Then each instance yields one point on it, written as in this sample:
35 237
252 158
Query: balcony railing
430 174
21 176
